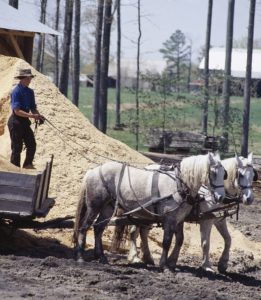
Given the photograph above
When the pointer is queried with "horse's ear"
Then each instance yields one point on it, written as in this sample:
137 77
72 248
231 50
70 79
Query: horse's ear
238 160
250 158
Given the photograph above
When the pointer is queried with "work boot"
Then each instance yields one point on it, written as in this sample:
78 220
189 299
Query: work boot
30 166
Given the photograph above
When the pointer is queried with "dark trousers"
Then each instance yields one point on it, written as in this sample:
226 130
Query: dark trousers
21 133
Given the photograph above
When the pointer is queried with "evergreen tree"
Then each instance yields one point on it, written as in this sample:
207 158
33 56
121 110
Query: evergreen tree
176 53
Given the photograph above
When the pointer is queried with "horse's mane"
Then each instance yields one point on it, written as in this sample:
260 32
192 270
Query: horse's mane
230 165
194 170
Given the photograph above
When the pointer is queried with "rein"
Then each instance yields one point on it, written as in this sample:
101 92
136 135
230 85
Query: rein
63 136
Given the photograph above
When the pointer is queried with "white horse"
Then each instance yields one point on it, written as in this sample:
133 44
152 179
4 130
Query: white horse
238 186
113 185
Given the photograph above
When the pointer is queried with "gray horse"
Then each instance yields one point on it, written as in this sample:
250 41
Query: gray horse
113 185
238 186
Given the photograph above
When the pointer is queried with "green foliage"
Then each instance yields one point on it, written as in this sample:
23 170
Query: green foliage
182 112
176 52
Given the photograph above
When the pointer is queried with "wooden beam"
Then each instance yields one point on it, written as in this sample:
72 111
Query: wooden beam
16 32
16 46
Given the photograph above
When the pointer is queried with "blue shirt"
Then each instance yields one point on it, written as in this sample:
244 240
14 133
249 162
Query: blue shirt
22 97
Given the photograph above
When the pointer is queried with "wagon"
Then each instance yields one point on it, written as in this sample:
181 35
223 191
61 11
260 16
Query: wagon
158 140
24 197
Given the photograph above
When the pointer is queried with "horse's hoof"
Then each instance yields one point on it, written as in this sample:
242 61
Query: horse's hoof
134 260
149 261
80 260
209 269
167 270
103 260
222 269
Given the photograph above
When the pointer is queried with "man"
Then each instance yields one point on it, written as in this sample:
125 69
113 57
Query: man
23 108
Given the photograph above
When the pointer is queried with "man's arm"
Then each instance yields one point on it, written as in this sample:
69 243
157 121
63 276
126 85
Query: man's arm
34 114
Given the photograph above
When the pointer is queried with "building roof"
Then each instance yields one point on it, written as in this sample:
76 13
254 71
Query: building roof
217 58
129 66
14 19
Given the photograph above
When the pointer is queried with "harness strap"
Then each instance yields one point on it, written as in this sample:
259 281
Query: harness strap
118 188
103 181
155 190
119 185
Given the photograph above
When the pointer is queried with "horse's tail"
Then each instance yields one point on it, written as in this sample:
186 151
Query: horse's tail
119 235
80 212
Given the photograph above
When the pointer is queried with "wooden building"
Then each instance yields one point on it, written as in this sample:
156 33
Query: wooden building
217 58
17 32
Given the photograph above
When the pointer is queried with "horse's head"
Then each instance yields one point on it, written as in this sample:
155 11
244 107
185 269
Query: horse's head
204 170
216 176
245 176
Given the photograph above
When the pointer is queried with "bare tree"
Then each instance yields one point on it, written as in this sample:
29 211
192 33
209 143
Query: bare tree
41 41
206 70
227 80
97 63
137 122
76 53
107 20
189 66
14 3
247 89
56 68
66 47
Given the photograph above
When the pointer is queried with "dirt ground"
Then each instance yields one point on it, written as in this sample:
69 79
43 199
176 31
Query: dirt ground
43 268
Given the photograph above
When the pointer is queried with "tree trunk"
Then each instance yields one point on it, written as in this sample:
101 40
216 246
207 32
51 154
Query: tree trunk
189 68
64 79
13 3
227 80
206 70
138 81
56 68
247 90
97 64
41 41
76 53
118 82
105 66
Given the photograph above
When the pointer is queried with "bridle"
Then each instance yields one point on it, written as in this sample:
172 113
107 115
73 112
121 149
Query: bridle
213 186
244 187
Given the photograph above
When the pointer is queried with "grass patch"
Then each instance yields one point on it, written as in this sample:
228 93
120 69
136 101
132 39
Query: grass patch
183 113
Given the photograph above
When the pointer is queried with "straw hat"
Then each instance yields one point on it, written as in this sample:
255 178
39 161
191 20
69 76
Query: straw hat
23 73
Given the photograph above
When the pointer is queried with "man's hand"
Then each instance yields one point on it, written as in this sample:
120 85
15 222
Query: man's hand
39 118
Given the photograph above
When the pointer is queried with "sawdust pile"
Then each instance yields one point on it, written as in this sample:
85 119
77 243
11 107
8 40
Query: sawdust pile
77 146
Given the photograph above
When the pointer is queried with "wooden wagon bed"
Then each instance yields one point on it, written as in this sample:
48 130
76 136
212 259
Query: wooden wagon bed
25 196
169 141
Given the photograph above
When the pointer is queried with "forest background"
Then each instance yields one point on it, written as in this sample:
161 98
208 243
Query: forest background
166 101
